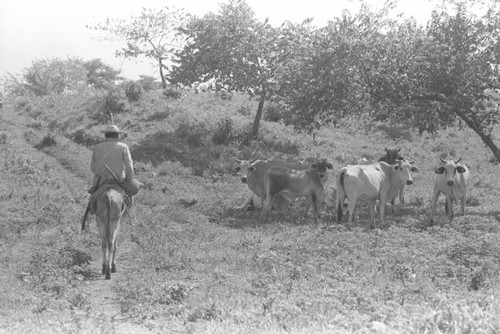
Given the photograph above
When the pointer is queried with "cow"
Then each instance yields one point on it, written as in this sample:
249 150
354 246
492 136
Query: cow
292 183
391 156
364 161
110 208
252 173
378 181
451 180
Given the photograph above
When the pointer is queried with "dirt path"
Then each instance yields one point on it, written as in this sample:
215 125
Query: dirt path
103 300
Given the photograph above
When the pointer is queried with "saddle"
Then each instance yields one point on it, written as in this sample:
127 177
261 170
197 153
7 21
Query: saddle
103 188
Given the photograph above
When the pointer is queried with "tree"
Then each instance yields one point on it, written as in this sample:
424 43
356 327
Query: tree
151 34
233 48
101 75
446 73
54 76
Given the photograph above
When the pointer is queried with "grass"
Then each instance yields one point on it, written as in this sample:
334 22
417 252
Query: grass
203 267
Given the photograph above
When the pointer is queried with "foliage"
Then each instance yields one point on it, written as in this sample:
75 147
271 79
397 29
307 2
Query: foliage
45 77
133 90
101 75
232 48
152 34
147 82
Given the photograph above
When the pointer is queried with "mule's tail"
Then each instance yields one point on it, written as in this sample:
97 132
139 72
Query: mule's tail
340 195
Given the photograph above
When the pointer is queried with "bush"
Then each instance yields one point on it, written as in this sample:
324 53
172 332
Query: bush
172 93
274 112
147 82
224 132
47 141
133 90
82 138
115 103
193 133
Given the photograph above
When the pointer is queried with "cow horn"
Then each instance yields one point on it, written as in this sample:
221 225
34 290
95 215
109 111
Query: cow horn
457 161
444 161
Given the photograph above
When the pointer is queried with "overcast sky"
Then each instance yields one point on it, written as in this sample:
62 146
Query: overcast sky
45 29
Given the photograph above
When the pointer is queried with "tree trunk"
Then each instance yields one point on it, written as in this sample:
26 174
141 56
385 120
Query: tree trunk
486 138
258 116
163 82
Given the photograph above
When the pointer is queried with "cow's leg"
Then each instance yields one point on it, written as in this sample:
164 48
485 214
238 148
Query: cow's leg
352 207
266 208
462 205
314 203
450 202
247 203
371 207
339 202
435 196
401 195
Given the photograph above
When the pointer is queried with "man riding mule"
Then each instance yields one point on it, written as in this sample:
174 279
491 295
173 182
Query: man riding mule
111 192
111 163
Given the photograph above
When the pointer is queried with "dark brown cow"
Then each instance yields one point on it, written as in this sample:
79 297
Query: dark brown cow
292 183
391 157
252 173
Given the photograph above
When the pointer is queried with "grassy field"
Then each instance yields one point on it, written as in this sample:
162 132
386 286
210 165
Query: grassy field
188 262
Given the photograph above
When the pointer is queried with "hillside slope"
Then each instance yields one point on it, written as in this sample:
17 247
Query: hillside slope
188 262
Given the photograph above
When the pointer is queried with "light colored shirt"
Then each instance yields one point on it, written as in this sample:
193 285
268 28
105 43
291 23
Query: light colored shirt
115 155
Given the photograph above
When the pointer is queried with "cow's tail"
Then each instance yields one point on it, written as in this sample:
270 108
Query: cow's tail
340 195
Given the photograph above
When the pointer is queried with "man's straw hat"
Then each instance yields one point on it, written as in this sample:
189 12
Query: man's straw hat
111 129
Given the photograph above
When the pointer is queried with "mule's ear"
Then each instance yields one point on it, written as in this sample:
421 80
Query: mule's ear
440 170
414 169
460 169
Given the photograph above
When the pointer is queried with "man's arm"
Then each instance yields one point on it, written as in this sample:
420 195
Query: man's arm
129 167
92 162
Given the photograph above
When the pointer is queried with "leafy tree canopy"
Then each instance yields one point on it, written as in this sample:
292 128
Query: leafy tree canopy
153 34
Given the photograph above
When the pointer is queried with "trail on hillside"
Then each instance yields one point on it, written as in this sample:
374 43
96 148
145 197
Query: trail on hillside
104 302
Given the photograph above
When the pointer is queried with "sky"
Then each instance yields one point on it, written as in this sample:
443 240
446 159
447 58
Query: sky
45 29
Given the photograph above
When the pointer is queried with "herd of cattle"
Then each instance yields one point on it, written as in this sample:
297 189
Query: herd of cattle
275 184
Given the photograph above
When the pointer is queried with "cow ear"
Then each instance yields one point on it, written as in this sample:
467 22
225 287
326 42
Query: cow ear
314 166
414 170
440 170
251 168
237 168
460 169
329 166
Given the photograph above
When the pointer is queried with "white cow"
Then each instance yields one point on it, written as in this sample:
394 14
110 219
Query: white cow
378 181
451 180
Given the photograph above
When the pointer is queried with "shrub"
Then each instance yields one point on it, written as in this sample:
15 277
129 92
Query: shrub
274 112
82 138
147 82
133 90
193 133
115 103
172 93
159 116
47 141
224 132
